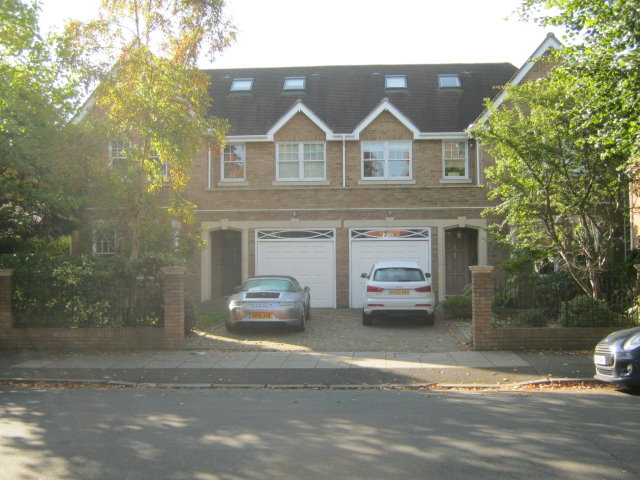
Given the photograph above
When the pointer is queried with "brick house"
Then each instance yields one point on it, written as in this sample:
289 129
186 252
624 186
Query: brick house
327 169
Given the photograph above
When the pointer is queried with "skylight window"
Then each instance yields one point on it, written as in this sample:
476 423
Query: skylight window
449 81
294 83
241 85
395 81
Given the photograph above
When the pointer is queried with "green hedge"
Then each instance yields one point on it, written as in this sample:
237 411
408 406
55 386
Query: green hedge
86 291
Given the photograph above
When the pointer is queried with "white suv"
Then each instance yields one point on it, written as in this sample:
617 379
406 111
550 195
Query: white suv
397 288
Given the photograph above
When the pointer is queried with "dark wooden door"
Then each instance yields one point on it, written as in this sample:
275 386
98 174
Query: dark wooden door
461 251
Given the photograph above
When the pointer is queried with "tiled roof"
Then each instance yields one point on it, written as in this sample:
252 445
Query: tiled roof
342 96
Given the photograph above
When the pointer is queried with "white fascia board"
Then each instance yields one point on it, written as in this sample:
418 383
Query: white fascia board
549 42
443 136
386 106
248 138
299 107
84 109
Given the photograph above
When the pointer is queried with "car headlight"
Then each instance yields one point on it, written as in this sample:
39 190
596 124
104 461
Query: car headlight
632 342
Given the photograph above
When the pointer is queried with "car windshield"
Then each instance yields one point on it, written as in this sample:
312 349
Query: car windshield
398 274
269 285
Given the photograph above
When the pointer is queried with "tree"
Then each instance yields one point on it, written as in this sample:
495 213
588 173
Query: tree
604 59
39 194
557 192
150 98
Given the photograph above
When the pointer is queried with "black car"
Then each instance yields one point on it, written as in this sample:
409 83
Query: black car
617 357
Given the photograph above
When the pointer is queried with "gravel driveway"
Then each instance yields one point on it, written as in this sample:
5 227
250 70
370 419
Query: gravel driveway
341 330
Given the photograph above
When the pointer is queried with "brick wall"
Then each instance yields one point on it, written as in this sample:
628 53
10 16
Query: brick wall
92 339
487 337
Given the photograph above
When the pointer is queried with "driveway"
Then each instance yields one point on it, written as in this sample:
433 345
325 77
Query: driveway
341 330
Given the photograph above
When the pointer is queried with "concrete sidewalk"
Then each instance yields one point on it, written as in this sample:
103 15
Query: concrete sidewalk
188 368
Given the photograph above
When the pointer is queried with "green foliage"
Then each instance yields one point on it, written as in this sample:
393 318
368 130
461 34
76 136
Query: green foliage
557 195
151 96
39 194
532 317
603 60
458 306
585 311
87 291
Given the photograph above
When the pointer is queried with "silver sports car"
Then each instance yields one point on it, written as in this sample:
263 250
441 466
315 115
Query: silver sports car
269 299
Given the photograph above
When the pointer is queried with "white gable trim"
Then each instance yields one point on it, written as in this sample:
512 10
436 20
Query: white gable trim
549 42
386 106
299 107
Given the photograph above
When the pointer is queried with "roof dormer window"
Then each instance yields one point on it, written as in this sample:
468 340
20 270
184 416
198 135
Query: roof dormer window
449 81
393 82
241 85
294 83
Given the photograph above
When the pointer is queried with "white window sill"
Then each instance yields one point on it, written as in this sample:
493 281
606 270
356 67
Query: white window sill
233 184
455 180
386 182
306 183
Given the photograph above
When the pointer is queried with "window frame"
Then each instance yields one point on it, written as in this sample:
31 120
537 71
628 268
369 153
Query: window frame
300 162
294 87
224 162
448 76
445 143
236 82
388 80
104 229
386 159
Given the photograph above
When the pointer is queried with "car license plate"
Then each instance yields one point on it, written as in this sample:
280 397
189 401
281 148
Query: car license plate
399 292
600 359
260 316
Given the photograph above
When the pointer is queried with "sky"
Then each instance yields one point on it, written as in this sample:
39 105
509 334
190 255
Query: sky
274 33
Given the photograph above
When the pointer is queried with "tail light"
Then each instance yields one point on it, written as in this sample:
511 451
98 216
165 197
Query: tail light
425 289
372 289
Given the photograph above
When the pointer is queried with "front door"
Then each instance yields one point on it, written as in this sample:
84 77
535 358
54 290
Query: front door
461 251
226 262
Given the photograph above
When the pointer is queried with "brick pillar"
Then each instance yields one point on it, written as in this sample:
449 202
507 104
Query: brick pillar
174 306
482 283
6 291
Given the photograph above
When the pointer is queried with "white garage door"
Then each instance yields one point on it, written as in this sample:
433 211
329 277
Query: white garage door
381 245
307 255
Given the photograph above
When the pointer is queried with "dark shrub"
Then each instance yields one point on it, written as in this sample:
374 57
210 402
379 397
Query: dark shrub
533 317
585 311
458 306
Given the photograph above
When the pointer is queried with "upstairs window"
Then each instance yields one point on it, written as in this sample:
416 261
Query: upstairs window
386 160
449 81
294 83
392 82
300 161
104 239
118 153
454 155
241 85
233 163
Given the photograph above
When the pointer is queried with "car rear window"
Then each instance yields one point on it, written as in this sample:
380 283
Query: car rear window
269 285
398 275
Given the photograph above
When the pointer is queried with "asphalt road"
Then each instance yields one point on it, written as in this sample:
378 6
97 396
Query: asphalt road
263 434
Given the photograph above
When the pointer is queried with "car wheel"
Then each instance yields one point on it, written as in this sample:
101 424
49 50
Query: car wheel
366 319
429 319
308 311
303 323
231 328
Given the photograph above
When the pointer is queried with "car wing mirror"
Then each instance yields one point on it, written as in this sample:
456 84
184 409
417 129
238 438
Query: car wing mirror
238 288
363 275
307 288
427 275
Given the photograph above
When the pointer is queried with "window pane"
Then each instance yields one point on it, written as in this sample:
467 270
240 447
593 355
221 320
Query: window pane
399 169
241 84
313 152
313 169
288 170
373 150
448 81
395 81
294 83
399 151
288 151
374 168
